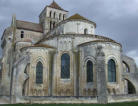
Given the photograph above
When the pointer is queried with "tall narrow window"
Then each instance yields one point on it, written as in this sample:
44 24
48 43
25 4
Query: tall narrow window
50 25
85 31
39 73
65 66
63 16
60 16
111 71
89 71
22 34
50 14
54 14
54 24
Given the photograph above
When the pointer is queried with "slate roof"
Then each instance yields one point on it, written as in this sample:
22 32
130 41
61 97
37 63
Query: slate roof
56 6
29 26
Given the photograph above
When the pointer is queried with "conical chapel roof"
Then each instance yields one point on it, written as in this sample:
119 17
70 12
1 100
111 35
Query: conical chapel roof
56 6
78 16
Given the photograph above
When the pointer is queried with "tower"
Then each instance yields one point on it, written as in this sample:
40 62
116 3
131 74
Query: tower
51 16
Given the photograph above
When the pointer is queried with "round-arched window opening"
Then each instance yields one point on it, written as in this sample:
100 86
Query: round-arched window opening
54 14
63 16
22 34
60 16
89 71
111 71
65 66
39 73
50 14
85 31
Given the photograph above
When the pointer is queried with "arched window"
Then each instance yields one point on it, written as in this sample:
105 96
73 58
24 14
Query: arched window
111 71
39 73
50 25
22 34
85 31
60 16
89 71
63 16
54 14
54 24
65 66
50 14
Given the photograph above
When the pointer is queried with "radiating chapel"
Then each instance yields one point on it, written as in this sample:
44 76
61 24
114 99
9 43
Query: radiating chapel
62 60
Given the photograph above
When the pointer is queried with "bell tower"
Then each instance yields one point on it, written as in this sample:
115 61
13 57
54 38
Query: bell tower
51 16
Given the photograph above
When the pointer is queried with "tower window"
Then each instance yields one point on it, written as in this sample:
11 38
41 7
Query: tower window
54 24
54 14
60 16
50 25
85 31
64 17
22 34
50 14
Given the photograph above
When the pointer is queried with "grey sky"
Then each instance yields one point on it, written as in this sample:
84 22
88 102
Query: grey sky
117 19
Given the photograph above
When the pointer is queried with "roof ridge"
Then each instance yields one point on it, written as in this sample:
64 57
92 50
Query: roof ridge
27 22
29 26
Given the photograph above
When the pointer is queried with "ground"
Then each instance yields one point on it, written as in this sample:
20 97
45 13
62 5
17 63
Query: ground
115 104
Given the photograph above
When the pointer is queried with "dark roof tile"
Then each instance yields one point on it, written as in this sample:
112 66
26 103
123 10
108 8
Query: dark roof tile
29 26
78 16
56 6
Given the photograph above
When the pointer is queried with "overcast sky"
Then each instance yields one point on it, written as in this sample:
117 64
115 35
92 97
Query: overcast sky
117 19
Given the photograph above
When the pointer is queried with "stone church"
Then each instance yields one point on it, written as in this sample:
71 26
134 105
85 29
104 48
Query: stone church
62 60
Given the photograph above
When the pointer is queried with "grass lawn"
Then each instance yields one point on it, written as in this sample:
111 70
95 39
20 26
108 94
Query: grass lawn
115 104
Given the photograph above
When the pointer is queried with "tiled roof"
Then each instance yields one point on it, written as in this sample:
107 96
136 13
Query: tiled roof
100 41
56 6
43 45
101 38
39 45
29 26
78 16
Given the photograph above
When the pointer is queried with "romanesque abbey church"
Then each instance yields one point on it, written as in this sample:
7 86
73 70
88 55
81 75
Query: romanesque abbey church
60 59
